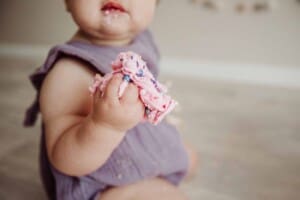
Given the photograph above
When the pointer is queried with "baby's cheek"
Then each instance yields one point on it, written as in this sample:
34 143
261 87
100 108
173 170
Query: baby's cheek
141 23
85 14
143 15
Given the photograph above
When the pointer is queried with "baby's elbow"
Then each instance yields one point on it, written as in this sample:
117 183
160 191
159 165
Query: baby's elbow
64 166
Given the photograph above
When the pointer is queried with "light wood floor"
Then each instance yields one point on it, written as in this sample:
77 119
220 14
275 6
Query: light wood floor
247 138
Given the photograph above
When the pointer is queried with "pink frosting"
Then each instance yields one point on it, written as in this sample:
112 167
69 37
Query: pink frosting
152 93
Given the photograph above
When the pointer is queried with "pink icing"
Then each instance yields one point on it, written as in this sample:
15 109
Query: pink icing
152 93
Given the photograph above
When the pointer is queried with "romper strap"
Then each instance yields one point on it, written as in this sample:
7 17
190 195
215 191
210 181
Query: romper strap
31 113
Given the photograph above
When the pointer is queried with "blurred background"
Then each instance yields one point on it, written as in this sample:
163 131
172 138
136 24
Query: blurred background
234 66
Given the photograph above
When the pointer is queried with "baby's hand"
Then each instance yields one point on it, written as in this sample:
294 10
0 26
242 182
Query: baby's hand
119 114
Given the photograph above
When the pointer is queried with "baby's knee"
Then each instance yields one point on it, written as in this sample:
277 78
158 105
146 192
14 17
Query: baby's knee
193 161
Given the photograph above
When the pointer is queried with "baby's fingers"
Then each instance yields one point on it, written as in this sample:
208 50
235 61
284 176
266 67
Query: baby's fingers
94 89
131 94
112 89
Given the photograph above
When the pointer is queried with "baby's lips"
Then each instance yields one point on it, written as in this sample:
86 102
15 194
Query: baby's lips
113 5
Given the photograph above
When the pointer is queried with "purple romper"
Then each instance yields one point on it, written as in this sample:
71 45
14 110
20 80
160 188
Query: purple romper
146 151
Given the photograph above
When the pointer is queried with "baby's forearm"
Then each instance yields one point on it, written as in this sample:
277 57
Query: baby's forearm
84 148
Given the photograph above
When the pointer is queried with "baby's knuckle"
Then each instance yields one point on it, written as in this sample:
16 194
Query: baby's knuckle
112 82
117 77
110 105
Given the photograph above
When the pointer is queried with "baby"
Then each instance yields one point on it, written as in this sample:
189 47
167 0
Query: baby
97 147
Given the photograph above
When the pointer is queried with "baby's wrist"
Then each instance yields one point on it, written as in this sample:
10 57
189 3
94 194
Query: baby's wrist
102 135
105 127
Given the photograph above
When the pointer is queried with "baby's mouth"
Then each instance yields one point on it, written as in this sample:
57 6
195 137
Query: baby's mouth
112 7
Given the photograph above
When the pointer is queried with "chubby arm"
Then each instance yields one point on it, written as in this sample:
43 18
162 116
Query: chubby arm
76 143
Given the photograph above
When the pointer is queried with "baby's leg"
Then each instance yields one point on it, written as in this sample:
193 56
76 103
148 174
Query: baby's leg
193 161
152 189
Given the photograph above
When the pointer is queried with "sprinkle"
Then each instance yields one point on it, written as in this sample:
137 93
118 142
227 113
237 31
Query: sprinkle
126 78
140 73
147 111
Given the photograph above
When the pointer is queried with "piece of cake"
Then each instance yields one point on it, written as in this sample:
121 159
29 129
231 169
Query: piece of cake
152 93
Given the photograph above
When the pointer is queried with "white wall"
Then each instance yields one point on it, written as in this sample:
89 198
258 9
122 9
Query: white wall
39 22
181 29
265 38
215 44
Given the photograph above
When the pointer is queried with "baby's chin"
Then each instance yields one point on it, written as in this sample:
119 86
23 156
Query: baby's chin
116 31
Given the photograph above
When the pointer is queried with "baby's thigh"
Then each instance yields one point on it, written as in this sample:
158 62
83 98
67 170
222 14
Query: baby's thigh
152 189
